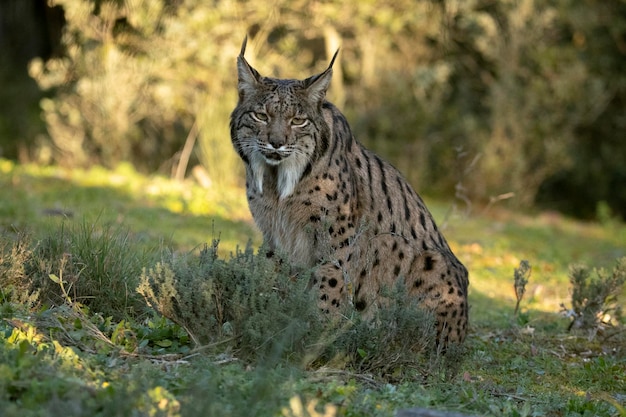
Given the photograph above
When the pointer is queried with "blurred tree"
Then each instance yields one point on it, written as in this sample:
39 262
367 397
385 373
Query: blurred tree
537 97
28 29
596 30
106 107
476 97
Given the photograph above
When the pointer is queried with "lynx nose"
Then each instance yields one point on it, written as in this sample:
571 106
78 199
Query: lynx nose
275 142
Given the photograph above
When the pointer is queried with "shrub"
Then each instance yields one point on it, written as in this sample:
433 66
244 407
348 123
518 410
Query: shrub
521 276
15 285
136 80
249 302
260 310
514 91
594 299
393 344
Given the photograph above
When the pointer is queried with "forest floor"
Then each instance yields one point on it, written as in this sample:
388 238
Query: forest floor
65 359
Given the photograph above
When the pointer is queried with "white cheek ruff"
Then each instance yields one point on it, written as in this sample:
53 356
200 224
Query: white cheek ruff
258 166
289 169
289 173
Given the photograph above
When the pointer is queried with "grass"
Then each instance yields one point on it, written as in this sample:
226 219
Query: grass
181 215
63 353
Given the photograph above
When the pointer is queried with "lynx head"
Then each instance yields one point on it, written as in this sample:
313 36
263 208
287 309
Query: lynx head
279 123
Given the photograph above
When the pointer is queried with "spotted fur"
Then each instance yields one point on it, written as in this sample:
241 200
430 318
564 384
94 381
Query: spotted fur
324 200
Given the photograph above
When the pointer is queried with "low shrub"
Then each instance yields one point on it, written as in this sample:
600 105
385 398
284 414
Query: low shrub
259 310
99 267
253 304
15 285
594 297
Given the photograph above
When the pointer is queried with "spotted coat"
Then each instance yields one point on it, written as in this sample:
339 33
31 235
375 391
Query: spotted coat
325 201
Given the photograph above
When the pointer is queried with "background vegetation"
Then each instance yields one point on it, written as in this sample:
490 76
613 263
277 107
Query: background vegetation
519 99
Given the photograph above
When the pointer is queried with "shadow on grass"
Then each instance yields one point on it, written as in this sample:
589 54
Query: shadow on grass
180 215
488 314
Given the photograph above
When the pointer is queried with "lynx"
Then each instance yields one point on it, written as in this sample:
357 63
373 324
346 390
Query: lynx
323 199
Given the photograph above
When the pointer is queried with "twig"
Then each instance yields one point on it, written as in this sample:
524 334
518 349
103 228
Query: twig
364 378
511 396
495 199
185 154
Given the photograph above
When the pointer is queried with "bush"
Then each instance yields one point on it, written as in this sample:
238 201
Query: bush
260 311
251 306
393 344
594 299
521 276
136 81
249 302
490 99
15 285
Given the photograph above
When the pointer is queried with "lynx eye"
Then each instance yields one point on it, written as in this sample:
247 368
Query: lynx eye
260 117
299 122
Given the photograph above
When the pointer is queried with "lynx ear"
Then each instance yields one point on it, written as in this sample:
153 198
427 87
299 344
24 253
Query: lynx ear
248 77
317 85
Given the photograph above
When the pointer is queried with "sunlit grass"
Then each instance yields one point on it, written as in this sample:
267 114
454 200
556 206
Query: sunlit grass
183 214
492 243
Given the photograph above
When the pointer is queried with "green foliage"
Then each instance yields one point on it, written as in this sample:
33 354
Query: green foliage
138 85
594 31
66 359
102 265
261 310
521 276
95 266
15 285
594 298
88 119
159 211
39 376
393 344
485 99
248 302
605 216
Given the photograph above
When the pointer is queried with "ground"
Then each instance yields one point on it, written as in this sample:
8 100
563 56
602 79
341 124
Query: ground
66 359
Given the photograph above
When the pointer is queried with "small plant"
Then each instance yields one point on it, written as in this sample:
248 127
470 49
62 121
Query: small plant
521 276
259 310
298 409
15 285
249 302
594 299
605 215
99 267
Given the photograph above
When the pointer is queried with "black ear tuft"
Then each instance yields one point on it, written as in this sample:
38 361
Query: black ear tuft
243 46
332 61
248 77
317 85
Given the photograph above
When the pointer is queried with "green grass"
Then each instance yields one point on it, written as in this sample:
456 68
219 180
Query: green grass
182 215
98 350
